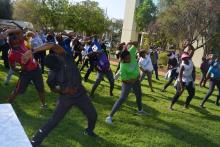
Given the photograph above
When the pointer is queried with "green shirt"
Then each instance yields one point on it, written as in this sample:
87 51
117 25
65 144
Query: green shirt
129 71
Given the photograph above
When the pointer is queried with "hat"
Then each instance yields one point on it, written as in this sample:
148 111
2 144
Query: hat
184 55
169 54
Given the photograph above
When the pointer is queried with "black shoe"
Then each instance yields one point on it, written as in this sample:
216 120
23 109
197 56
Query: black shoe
89 133
201 106
85 80
163 90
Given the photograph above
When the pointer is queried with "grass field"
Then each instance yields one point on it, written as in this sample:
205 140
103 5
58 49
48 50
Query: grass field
182 127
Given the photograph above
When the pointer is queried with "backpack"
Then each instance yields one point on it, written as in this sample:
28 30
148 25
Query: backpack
103 63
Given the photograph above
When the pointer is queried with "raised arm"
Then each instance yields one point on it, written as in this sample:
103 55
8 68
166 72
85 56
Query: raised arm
54 47
49 46
191 50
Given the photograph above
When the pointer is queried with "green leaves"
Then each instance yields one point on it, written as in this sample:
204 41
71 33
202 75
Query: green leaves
145 13
86 16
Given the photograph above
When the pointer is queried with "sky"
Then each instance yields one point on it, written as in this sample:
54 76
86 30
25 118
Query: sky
114 8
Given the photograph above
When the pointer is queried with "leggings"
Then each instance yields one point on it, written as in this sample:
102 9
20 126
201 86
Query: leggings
212 85
190 89
126 88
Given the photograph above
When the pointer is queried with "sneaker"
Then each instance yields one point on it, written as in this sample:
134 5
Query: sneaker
142 112
89 133
43 106
108 120
171 108
201 106
163 90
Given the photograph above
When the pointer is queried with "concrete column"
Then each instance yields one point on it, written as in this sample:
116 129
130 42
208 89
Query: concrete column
129 25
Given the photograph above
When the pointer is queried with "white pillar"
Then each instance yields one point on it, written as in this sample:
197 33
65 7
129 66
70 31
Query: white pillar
129 25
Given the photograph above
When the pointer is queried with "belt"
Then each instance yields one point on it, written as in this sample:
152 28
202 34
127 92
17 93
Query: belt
70 90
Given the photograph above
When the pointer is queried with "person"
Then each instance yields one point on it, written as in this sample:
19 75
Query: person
118 56
104 47
103 67
90 57
154 59
146 67
36 41
4 47
64 78
172 70
185 78
214 75
204 69
65 42
77 47
129 73
50 39
30 70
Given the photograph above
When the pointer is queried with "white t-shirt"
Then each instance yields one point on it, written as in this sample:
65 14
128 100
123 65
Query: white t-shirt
146 63
187 73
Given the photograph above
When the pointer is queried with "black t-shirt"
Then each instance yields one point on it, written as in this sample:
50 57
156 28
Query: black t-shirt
69 76
173 62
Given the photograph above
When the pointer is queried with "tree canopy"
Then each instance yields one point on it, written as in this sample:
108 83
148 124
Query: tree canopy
145 13
85 16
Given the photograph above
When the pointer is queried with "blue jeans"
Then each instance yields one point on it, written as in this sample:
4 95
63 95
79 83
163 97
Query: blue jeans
126 88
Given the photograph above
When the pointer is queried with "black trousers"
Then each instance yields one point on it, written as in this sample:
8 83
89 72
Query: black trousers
79 55
212 85
5 48
63 106
155 66
173 76
90 69
99 78
85 63
190 89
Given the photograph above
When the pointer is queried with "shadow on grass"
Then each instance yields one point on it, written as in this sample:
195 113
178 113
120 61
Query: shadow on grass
67 133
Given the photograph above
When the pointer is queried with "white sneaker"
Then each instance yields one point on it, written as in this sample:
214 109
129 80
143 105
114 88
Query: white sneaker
108 120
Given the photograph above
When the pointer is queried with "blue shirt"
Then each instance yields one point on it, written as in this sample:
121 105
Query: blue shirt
214 70
66 45
96 45
88 49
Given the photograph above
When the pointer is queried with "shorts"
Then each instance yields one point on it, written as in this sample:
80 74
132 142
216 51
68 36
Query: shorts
26 77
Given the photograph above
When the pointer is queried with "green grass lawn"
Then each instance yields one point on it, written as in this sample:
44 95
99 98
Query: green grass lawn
182 127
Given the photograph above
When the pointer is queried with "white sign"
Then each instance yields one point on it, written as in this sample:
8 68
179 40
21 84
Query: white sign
11 131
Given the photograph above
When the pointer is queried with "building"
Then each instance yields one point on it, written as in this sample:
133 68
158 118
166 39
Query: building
129 25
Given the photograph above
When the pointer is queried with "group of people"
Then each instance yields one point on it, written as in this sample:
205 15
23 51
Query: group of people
28 49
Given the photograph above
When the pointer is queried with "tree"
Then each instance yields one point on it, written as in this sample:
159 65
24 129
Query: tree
89 17
5 9
145 13
84 16
192 19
